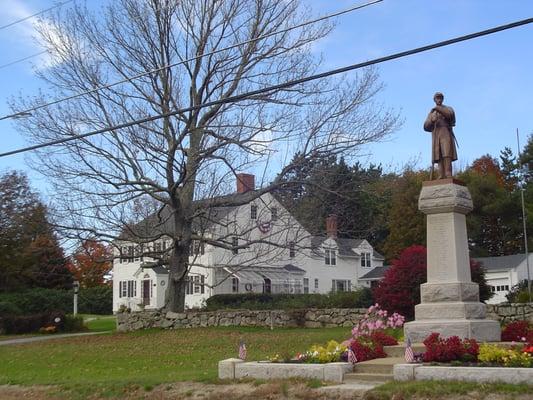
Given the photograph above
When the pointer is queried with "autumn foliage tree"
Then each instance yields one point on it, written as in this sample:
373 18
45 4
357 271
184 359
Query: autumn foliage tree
90 263
399 290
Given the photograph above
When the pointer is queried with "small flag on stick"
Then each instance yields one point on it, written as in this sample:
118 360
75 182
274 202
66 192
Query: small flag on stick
409 354
242 350
351 356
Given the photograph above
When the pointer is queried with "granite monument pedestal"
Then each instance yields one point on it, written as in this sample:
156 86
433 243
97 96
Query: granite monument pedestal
449 300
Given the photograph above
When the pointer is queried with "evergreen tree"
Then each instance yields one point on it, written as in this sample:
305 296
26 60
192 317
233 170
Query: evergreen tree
29 251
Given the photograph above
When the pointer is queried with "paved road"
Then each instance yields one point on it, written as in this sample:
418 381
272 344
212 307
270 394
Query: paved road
47 337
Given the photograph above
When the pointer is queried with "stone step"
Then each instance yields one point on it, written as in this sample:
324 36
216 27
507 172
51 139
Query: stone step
378 366
399 350
359 377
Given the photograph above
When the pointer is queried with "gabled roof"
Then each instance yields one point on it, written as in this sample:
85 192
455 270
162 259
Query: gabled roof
293 268
344 245
376 274
160 223
502 263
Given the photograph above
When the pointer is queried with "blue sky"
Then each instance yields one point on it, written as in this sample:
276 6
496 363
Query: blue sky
488 81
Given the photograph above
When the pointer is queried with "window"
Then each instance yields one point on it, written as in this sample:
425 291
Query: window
316 283
366 260
197 248
306 285
157 247
330 257
130 253
341 285
267 286
253 211
292 250
273 214
199 284
235 243
190 285
234 285
123 289
132 288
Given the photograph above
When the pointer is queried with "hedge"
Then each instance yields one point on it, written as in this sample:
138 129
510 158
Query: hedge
97 300
360 298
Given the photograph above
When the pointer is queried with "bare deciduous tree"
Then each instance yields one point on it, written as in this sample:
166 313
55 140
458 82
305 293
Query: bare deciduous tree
102 184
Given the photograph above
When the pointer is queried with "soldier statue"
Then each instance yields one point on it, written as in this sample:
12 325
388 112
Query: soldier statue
440 122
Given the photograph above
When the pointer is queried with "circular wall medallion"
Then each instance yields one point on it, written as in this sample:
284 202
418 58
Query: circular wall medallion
248 287
162 283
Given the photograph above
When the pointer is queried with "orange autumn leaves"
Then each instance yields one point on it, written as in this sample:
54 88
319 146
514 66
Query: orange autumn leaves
91 263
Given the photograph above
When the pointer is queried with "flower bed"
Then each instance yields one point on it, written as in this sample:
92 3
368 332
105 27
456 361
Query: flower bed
375 330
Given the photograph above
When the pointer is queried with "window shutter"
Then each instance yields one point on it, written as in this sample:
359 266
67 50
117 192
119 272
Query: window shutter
202 281
119 289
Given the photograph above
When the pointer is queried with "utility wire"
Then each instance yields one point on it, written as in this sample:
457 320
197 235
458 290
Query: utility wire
284 85
22 59
129 79
36 14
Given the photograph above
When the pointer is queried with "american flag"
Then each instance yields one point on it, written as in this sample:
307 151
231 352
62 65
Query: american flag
409 354
242 351
351 356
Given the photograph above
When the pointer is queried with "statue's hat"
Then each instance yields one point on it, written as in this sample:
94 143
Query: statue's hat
438 94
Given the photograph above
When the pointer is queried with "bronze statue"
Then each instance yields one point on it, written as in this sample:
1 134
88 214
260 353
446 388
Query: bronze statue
440 121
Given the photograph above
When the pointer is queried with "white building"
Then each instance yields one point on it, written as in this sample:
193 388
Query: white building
268 251
504 272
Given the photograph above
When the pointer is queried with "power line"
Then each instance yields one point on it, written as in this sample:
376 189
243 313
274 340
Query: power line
284 85
129 79
23 59
34 15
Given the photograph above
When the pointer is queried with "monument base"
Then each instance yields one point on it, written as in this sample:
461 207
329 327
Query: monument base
483 330
450 302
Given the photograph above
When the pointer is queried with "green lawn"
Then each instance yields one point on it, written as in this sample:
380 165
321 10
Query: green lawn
100 323
148 357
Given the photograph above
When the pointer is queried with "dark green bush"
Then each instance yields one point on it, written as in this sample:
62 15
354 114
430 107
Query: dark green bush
7 308
74 323
15 324
97 300
360 298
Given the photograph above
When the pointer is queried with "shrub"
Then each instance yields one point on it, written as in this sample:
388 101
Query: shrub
383 339
365 348
74 323
376 319
360 298
449 349
399 290
32 323
7 308
517 331
97 300
519 293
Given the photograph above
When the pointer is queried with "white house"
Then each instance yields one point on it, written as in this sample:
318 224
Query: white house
504 272
270 251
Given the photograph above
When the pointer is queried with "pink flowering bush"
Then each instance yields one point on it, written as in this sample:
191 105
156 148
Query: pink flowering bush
377 319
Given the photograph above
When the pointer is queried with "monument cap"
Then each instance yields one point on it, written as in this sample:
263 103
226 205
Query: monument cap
438 94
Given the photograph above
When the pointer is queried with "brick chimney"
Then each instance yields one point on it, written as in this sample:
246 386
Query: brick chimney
245 183
331 226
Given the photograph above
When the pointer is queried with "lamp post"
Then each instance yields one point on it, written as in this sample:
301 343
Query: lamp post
76 287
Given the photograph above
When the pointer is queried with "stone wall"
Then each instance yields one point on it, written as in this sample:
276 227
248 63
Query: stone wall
312 318
510 312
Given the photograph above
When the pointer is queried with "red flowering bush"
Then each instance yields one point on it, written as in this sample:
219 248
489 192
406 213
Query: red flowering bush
449 349
399 290
518 331
383 339
365 348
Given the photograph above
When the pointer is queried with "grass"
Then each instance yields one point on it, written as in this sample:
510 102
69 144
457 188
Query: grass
110 363
436 389
100 323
